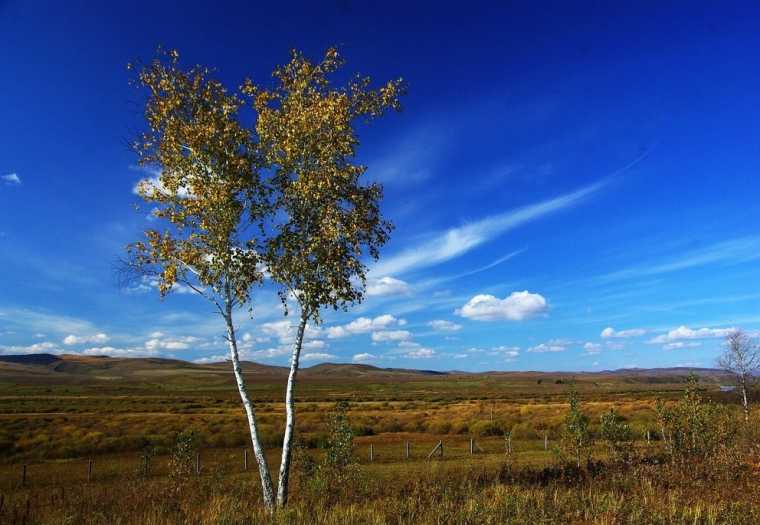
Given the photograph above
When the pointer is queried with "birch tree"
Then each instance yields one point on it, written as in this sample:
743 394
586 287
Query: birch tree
331 221
209 198
742 359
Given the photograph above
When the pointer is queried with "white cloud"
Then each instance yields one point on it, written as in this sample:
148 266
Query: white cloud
316 344
146 284
421 353
153 185
457 241
267 353
46 347
509 352
681 344
592 348
76 340
119 352
170 343
610 332
364 325
516 307
391 335
387 286
285 331
317 356
554 345
11 178
442 325
361 358
684 332
211 359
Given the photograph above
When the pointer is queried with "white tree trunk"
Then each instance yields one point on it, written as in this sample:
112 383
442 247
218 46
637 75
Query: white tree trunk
290 417
258 450
745 401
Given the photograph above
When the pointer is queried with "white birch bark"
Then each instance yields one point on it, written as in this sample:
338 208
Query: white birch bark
258 450
290 416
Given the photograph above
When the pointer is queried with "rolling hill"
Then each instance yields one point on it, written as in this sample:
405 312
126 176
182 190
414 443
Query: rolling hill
75 369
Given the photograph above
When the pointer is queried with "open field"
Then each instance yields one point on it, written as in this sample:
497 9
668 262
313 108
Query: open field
81 428
55 408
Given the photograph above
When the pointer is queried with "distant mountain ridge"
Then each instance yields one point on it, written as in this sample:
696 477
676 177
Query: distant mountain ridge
104 367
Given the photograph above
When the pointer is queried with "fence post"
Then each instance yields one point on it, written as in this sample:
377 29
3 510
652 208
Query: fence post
197 463
509 443
648 438
146 465
89 470
371 453
407 450
245 459
546 441
472 446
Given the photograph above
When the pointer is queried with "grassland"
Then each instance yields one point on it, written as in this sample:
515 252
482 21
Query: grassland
57 416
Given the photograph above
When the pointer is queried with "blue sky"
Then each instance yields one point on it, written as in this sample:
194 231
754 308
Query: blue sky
573 188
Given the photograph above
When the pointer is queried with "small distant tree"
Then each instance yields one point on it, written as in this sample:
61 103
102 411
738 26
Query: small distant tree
208 197
742 359
694 429
340 439
330 220
616 433
576 439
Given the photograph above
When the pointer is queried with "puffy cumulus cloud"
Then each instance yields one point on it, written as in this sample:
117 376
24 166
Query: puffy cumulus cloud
153 185
46 347
170 343
267 353
441 325
681 344
11 179
211 359
147 284
508 352
91 339
316 344
610 332
364 325
684 332
285 331
554 345
363 358
421 353
516 307
249 338
412 350
592 348
386 286
318 356
119 352
391 335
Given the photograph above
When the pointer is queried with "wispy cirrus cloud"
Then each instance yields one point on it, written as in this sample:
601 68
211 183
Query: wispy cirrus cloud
457 241
732 251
